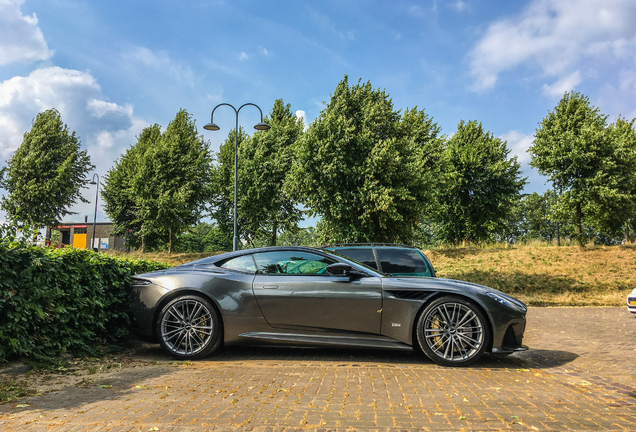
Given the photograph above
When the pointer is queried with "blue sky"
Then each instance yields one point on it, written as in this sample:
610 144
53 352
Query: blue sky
113 68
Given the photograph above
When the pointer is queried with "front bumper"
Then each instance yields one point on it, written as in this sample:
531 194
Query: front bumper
631 302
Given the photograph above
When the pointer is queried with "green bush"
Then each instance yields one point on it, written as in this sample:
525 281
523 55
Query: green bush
57 300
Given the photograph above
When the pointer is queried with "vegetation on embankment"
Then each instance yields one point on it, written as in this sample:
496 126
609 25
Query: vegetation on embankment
544 275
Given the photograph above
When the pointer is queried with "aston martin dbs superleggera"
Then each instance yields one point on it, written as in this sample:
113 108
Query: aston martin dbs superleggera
304 296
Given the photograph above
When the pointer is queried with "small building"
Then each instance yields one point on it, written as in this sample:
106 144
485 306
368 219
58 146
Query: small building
79 236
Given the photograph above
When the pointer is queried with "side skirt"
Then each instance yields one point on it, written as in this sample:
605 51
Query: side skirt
340 341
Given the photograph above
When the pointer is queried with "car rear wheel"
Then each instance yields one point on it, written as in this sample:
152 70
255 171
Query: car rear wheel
189 327
452 332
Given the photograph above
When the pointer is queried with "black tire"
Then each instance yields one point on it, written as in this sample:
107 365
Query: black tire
452 331
189 327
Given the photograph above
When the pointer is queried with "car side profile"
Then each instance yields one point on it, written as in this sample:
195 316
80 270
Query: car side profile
631 301
303 296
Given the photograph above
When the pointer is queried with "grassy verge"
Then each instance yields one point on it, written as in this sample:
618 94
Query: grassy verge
545 275
537 274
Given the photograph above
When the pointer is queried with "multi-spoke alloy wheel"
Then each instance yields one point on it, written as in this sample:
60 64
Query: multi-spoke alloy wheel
188 327
452 332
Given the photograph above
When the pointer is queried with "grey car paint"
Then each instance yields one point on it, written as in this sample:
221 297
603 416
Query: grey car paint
369 311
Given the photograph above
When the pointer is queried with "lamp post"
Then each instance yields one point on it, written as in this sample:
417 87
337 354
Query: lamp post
96 183
213 127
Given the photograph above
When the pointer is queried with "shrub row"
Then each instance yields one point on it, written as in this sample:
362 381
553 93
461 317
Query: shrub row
62 300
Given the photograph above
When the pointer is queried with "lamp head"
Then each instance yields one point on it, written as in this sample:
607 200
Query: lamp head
211 127
261 126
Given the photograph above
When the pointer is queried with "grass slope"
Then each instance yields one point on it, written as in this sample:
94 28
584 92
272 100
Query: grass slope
545 275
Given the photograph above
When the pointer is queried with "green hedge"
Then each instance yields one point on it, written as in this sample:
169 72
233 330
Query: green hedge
57 300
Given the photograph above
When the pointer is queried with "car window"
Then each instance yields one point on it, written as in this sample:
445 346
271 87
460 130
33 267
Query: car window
242 263
397 261
292 262
364 256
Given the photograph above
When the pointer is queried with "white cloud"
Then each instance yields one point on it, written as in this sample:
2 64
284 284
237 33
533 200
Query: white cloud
553 36
302 115
557 89
265 52
518 143
459 6
21 39
243 56
142 57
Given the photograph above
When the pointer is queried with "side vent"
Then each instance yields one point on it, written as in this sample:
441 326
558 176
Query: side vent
409 294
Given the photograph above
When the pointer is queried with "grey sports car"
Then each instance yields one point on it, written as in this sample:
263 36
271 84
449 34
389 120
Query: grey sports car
304 296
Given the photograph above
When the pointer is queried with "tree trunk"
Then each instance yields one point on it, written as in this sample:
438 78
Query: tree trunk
143 244
171 242
274 229
626 233
579 227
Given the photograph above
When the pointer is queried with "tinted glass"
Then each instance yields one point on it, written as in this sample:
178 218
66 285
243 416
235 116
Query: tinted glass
292 262
242 263
364 256
397 261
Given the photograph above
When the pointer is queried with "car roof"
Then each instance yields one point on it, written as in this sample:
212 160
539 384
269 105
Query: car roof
367 245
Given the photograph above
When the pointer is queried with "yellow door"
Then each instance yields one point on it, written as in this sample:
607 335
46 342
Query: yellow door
79 241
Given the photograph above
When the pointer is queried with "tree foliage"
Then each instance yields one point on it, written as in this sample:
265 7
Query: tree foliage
45 174
572 148
483 185
369 172
266 209
162 184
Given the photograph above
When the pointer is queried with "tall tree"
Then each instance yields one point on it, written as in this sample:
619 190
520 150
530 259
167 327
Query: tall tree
265 207
162 184
483 186
572 147
126 190
362 167
223 195
180 169
45 174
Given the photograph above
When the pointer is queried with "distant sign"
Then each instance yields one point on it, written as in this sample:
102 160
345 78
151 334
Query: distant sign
79 226
103 244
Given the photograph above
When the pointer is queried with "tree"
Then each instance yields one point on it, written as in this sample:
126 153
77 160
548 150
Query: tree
369 172
265 208
125 190
572 147
45 174
222 200
612 202
162 184
180 169
483 186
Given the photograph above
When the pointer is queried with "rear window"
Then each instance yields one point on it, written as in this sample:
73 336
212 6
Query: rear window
364 256
396 261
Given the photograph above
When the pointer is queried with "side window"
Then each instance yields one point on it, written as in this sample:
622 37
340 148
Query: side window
364 256
241 263
291 262
402 261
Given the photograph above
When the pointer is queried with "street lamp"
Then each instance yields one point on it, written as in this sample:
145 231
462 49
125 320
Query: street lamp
93 182
213 127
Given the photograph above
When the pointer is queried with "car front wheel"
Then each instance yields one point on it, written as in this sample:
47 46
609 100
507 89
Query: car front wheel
189 327
452 332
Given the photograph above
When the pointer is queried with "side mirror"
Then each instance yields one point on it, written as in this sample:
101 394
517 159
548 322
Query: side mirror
339 269
345 270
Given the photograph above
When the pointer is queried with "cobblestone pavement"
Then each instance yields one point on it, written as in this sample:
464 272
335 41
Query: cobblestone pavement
579 375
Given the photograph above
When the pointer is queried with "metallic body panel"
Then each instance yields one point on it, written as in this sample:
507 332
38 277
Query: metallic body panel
327 310
320 302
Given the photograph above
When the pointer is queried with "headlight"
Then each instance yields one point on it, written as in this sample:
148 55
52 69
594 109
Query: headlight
501 300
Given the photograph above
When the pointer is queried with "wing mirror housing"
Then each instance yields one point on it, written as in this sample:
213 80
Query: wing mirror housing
344 270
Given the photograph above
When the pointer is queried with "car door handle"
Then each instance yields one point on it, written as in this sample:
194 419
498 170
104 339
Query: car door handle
270 286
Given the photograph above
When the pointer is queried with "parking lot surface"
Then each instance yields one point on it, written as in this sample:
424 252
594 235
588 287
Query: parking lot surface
578 375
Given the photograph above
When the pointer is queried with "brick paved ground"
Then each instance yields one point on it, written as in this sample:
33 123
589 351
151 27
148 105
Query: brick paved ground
579 376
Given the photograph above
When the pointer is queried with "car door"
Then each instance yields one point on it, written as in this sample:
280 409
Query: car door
294 290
